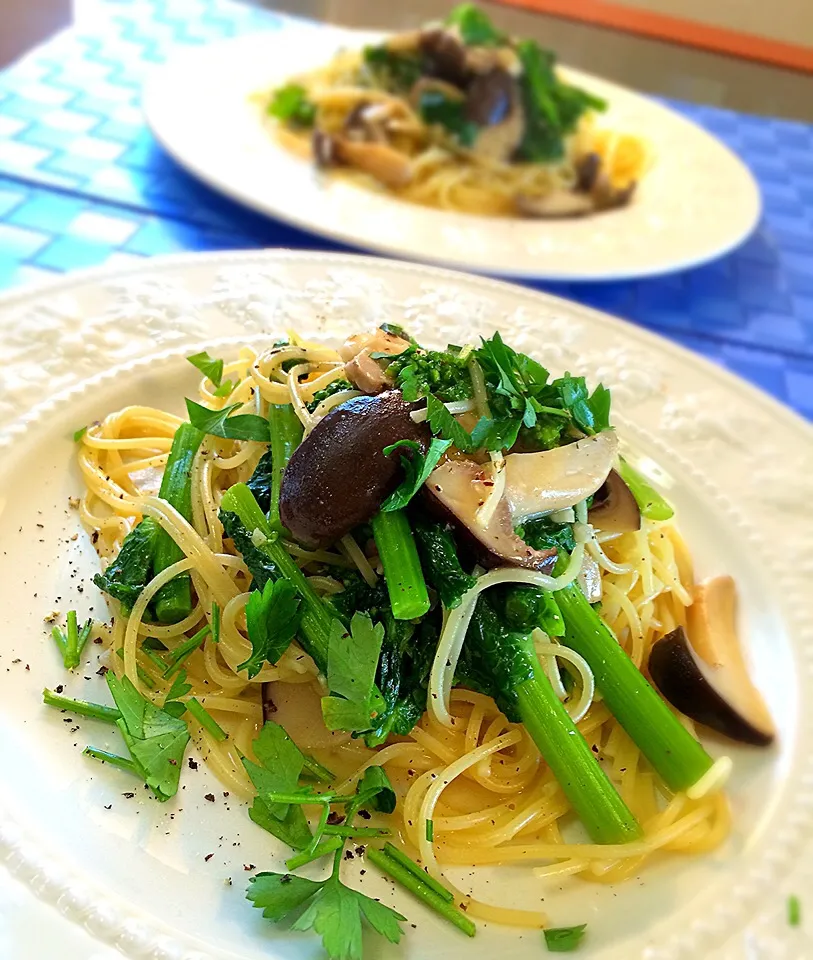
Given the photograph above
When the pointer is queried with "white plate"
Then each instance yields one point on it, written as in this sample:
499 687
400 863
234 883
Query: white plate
737 465
697 203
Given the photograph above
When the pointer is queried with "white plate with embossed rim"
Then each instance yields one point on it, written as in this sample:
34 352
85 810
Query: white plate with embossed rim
136 873
697 203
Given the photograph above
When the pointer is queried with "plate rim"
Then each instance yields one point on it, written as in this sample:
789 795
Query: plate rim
151 96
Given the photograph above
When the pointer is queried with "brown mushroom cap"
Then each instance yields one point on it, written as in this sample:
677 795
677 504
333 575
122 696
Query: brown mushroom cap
615 509
454 492
681 677
490 98
338 477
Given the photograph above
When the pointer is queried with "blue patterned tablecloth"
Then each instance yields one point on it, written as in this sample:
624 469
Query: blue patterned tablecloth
82 182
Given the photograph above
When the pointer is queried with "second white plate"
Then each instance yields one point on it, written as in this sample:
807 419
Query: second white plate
698 202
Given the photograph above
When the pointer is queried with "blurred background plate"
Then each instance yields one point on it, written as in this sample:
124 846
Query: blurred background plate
206 107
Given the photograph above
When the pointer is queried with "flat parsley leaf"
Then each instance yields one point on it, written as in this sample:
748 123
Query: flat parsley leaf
208 366
417 468
173 704
444 424
351 669
272 619
278 894
220 423
335 914
279 767
495 434
375 788
156 739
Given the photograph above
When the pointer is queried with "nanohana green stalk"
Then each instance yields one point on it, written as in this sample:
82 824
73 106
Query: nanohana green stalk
173 601
286 435
402 566
578 772
673 752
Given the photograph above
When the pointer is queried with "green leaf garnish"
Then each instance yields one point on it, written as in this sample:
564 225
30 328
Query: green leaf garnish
417 468
291 104
156 739
272 619
220 423
79 434
208 366
444 424
352 664
794 911
475 27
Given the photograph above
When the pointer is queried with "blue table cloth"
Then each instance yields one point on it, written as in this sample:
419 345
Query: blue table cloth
82 182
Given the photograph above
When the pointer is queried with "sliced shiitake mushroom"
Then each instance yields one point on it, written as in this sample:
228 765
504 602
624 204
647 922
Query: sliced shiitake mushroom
455 491
339 476
705 677
615 509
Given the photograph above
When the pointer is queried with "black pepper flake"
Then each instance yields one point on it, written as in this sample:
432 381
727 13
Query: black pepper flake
285 878
210 797
128 795
348 855
208 857
334 818
102 671
193 764
60 688
248 867
359 851
365 814
108 806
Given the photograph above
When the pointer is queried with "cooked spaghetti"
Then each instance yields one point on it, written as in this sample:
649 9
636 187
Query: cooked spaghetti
462 117
505 479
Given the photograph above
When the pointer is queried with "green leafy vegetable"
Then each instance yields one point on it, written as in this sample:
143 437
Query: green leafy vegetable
221 423
291 105
155 739
174 704
375 788
476 29
417 468
351 669
543 533
337 386
564 939
392 70
437 107
495 434
131 570
272 619
417 371
79 434
440 561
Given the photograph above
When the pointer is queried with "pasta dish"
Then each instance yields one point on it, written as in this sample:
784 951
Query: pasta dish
460 116
415 601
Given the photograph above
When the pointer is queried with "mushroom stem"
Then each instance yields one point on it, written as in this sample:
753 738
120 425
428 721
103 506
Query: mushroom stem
674 753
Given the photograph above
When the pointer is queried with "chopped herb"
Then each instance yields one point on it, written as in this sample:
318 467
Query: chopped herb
272 619
215 622
185 650
208 366
564 939
221 423
83 708
375 788
794 911
291 105
430 830
72 642
79 435
205 719
417 468
444 424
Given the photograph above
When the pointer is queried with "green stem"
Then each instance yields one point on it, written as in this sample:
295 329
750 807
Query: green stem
355 832
205 719
84 636
215 622
286 435
316 770
651 503
399 856
578 772
59 640
83 708
674 753
72 642
113 759
415 885
322 850
402 567
315 626
173 601
185 650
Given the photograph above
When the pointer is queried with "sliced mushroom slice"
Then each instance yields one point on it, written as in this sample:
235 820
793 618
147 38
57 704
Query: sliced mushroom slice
614 509
386 164
556 205
539 483
360 368
339 476
707 678
456 490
